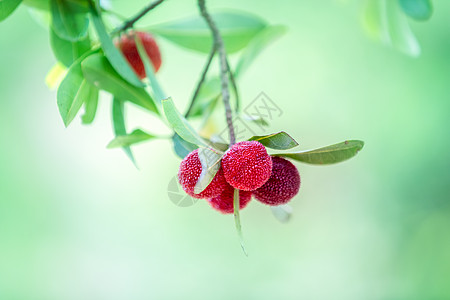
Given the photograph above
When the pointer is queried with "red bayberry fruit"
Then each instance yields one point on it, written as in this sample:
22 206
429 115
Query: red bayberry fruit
246 165
127 45
224 202
189 173
282 185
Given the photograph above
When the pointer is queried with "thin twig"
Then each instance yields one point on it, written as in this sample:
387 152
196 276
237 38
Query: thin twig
143 12
218 42
201 81
234 85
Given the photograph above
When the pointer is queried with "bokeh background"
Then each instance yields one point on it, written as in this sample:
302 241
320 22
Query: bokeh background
78 221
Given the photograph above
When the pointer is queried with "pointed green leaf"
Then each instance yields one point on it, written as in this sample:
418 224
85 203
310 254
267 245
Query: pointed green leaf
327 155
257 45
72 92
90 107
99 72
118 118
180 125
66 51
236 28
68 24
279 141
210 161
181 147
282 213
419 10
7 7
135 137
114 56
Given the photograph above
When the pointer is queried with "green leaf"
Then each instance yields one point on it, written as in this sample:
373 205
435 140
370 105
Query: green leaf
237 219
282 213
419 10
90 107
118 119
210 161
327 155
7 7
114 56
180 125
279 141
66 51
68 24
135 137
72 92
181 147
74 5
99 72
236 28
385 21
257 45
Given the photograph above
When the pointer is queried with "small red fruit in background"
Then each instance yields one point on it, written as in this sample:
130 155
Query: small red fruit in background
189 173
282 185
224 202
127 45
246 165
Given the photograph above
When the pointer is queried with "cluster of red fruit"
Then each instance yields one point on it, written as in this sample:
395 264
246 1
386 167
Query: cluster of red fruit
248 167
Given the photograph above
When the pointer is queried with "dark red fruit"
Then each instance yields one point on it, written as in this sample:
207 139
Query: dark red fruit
224 202
128 47
246 165
189 172
282 185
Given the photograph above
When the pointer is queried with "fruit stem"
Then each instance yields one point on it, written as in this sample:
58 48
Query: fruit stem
139 15
218 43
201 81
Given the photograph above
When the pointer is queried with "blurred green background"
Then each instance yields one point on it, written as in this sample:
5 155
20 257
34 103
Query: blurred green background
78 221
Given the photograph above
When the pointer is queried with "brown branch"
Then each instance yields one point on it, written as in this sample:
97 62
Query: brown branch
218 43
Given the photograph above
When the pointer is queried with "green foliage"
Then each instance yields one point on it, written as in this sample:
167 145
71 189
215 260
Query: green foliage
7 7
90 109
279 141
99 72
114 56
73 91
180 125
385 21
419 10
68 24
127 140
327 155
66 51
210 161
118 119
237 30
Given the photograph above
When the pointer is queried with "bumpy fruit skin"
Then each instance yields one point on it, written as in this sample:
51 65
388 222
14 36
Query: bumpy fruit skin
224 202
246 165
128 47
189 172
282 185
